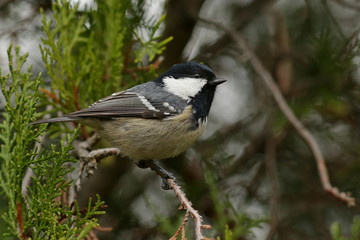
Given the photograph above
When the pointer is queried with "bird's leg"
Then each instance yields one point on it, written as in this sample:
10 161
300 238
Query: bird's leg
163 173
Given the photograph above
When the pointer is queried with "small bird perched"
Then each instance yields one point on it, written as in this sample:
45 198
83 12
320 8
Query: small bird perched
155 120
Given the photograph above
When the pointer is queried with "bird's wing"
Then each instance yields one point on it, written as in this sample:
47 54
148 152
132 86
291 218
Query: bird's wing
125 104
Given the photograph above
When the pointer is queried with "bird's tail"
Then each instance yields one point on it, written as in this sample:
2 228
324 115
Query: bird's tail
54 120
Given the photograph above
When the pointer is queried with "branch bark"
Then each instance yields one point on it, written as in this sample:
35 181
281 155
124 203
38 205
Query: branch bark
242 45
82 150
199 226
270 162
184 201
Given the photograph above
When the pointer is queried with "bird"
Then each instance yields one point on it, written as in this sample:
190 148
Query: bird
155 120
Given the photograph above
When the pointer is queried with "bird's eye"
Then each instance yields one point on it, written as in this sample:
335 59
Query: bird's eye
196 75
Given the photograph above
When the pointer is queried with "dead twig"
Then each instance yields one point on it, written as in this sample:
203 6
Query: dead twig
242 45
186 204
103 229
88 158
82 150
348 5
20 221
133 71
169 183
92 236
50 95
270 163
181 229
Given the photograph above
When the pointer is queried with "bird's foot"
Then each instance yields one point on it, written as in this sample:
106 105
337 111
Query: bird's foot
162 172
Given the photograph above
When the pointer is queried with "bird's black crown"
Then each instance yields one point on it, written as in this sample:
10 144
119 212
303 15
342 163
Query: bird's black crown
190 69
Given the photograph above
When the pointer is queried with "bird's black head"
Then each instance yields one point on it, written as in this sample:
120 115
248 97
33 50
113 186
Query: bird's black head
190 70
193 82
186 80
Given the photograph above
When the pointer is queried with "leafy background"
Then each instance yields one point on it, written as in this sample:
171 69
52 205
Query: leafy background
251 176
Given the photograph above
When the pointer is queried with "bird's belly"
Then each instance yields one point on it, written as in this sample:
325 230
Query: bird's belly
141 139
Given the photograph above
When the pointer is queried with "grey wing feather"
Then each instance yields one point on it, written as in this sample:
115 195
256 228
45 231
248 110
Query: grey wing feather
122 104
133 102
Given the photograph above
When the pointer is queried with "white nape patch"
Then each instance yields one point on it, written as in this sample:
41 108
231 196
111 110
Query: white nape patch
147 103
184 87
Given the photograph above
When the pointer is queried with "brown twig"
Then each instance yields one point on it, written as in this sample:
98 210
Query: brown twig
76 97
333 19
270 163
348 5
199 226
103 229
20 220
169 183
127 58
77 106
88 158
242 45
82 152
92 236
181 229
50 95
155 65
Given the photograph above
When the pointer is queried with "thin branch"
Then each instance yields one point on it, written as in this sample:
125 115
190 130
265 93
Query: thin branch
242 44
333 18
82 152
243 14
270 162
89 158
103 229
181 229
50 95
347 4
154 65
92 236
199 226
169 181
20 221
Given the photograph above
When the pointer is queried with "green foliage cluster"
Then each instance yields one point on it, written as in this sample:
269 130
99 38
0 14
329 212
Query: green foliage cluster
337 234
227 214
95 52
37 214
242 224
16 136
88 54
325 85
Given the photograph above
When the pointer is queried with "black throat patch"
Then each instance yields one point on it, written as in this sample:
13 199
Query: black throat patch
201 104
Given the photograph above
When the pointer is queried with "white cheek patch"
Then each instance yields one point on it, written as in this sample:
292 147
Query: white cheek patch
184 87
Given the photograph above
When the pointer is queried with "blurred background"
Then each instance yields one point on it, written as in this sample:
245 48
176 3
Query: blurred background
250 171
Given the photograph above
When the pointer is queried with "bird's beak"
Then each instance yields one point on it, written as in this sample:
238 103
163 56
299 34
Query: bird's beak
217 81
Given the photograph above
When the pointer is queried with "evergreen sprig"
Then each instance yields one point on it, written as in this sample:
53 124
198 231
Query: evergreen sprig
39 214
16 136
88 54
153 46
92 53
336 232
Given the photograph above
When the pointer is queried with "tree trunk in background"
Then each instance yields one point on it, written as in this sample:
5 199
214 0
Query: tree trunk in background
180 22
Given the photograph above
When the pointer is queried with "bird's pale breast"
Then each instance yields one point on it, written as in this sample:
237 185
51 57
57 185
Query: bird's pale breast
144 139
